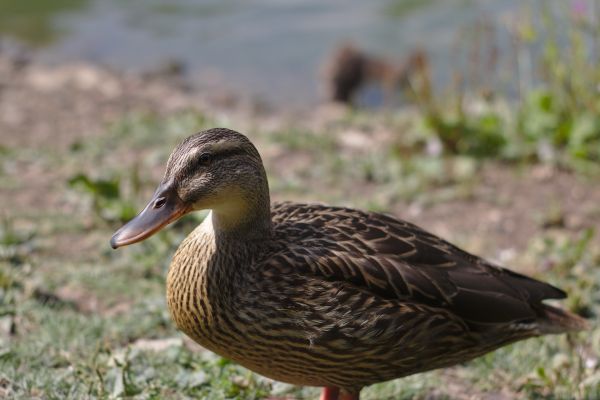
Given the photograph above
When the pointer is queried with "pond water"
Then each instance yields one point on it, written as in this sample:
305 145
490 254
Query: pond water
271 49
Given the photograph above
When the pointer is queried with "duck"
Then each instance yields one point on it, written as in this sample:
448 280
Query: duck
320 295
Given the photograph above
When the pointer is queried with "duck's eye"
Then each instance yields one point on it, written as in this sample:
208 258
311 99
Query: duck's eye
204 158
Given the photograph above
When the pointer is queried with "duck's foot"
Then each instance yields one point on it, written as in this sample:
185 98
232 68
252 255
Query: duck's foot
330 393
334 393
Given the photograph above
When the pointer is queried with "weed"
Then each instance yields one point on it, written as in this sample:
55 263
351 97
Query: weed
556 119
107 202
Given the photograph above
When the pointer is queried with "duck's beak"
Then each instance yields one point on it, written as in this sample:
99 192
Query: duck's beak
164 208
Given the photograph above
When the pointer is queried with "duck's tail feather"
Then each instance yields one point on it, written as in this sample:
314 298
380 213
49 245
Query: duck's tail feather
554 320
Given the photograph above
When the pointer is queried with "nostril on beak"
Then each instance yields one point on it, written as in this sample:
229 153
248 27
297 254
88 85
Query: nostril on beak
159 202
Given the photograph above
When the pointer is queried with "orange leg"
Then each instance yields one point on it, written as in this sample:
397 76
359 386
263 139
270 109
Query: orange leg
333 393
330 393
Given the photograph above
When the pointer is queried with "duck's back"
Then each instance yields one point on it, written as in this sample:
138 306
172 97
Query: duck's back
397 260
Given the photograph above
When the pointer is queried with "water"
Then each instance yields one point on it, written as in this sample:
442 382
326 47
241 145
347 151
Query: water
270 49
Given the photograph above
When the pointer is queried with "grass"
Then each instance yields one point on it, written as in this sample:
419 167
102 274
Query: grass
553 117
94 324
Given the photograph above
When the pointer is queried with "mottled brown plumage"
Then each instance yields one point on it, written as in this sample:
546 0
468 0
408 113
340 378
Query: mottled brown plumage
326 296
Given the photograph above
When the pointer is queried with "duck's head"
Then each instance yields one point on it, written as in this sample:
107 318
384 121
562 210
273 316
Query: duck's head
218 169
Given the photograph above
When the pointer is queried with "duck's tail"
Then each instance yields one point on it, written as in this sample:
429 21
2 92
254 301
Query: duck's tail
554 320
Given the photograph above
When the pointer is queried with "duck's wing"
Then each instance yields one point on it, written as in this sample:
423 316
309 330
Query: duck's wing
398 260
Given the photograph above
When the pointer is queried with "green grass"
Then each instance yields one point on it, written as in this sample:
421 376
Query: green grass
94 324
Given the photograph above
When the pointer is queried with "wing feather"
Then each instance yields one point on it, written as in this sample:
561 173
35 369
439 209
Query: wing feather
398 260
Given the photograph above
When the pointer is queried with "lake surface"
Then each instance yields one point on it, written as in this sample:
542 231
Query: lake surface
270 49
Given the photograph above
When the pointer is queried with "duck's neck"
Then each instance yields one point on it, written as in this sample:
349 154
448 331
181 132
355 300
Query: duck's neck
248 218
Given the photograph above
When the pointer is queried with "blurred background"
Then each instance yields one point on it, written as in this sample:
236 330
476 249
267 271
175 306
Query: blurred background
264 49
477 119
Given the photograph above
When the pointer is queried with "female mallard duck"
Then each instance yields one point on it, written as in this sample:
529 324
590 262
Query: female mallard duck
325 296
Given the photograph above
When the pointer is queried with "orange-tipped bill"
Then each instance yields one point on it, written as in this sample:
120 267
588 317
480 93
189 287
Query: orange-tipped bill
164 208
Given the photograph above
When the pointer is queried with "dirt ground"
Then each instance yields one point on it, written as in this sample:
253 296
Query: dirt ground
48 109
